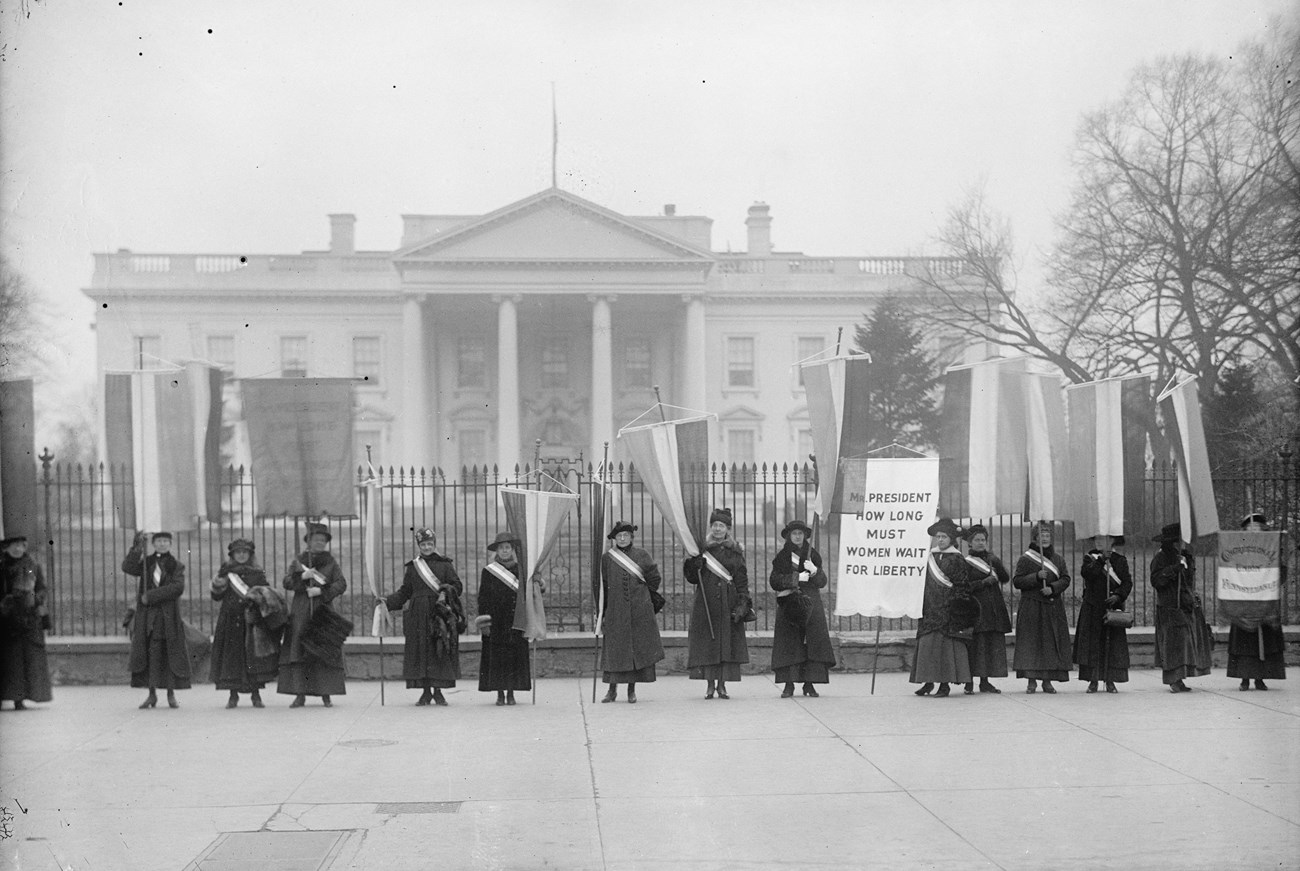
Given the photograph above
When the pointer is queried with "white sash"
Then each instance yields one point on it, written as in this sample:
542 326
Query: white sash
1044 562
712 564
426 574
237 584
157 573
979 564
504 575
628 564
1114 577
938 572
796 561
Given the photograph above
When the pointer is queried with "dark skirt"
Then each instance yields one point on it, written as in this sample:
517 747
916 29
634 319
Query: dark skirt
505 666
988 654
640 675
804 672
309 678
940 658
1244 659
158 672
725 672
24 667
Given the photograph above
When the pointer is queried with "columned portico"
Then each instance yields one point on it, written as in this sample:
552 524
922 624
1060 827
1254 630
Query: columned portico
692 373
416 399
602 378
507 394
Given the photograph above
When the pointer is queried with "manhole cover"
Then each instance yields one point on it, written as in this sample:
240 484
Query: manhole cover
418 807
273 851
366 743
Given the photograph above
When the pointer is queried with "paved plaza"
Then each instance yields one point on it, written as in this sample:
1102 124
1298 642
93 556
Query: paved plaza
1142 779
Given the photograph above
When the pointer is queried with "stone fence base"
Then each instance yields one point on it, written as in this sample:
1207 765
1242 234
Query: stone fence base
79 660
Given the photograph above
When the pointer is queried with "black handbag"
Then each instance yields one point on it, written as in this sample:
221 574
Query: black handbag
657 601
1118 619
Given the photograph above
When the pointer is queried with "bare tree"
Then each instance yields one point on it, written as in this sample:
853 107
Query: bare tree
19 326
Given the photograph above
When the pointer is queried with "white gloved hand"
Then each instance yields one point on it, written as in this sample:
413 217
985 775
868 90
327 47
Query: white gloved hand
805 577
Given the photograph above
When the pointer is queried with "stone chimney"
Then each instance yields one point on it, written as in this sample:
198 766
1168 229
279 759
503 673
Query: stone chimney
670 209
343 234
759 223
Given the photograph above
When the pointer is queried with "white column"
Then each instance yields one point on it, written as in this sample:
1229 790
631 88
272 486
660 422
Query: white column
507 383
415 415
602 379
694 378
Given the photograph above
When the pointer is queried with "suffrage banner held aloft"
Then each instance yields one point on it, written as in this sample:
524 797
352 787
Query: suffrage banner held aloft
880 570
1249 583
300 438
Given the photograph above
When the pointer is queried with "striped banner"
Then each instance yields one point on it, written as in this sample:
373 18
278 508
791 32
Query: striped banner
983 440
839 404
17 459
1046 446
1108 425
1180 407
672 460
163 431
601 522
536 517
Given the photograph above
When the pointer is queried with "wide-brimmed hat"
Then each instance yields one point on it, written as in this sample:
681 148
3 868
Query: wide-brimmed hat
723 514
1115 540
621 526
1169 533
317 529
424 534
946 526
160 534
792 526
241 544
12 539
503 538
1255 517
971 532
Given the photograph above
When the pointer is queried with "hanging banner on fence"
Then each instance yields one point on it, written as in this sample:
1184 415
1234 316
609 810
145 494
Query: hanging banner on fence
300 438
17 459
882 550
1249 584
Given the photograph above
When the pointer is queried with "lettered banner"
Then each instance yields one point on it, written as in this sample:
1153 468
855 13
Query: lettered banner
882 550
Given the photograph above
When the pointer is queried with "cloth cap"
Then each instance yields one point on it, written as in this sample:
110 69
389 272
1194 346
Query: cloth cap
977 529
723 514
621 526
13 539
1115 540
241 544
158 535
1170 532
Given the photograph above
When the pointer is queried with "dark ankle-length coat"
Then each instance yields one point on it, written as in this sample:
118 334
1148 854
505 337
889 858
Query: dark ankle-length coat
300 674
727 603
159 657
505 661
796 641
433 623
1183 641
1101 651
239 661
631 645
1043 649
24 668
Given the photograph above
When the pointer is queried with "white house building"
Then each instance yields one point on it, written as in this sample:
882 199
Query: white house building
551 318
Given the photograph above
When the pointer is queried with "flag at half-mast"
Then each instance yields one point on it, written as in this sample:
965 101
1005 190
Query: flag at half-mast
839 401
1180 408
672 460
983 440
163 433
536 518
1109 422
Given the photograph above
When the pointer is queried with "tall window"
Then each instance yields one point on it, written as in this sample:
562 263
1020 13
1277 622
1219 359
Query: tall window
742 445
473 447
555 361
365 359
636 363
146 351
221 350
293 356
805 347
471 362
740 361
803 446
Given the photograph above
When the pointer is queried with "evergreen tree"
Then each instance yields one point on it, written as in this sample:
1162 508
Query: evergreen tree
902 380
1231 413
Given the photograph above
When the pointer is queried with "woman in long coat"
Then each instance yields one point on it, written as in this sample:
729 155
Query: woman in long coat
505 662
801 641
159 657
1042 630
1182 638
245 646
1101 651
947 615
717 646
24 669
434 620
631 632
315 580
988 644
1258 653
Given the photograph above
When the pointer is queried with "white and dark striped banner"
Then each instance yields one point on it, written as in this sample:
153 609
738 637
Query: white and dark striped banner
983 440
1108 425
536 517
672 460
1180 406
839 400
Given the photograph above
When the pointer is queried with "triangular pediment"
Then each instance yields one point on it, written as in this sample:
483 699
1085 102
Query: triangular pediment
554 226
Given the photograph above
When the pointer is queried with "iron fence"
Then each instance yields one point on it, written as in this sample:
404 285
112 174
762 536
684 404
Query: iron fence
84 546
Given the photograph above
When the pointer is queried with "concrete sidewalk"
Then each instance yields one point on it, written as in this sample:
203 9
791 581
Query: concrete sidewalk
1143 779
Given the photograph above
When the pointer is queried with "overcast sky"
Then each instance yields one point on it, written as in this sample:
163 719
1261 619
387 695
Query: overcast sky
235 127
